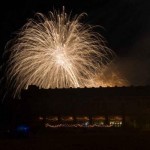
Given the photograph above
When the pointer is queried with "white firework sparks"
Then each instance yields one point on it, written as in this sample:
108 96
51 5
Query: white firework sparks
56 51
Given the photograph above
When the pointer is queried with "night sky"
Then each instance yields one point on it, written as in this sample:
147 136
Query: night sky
126 28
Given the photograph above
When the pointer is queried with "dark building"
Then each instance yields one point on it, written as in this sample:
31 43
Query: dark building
99 107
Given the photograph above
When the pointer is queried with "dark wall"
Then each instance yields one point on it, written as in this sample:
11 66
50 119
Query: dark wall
117 100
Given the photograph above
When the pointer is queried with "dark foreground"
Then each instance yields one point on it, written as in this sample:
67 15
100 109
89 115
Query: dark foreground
79 139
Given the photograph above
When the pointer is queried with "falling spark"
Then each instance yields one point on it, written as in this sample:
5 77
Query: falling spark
56 51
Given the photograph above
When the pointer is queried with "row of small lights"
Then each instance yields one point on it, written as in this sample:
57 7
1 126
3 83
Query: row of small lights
80 125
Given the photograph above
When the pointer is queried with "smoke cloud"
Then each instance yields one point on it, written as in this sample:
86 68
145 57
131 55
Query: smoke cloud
136 66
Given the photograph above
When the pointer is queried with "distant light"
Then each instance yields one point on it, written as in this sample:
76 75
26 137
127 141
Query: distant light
40 118
23 128
86 124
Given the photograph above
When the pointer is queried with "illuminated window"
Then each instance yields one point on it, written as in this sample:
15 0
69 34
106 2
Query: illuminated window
52 118
82 120
67 119
98 120
115 121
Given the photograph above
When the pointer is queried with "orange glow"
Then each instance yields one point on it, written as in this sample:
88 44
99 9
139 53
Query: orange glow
67 118
52 118
82 118
98 118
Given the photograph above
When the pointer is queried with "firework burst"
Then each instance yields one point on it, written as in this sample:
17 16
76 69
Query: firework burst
56 51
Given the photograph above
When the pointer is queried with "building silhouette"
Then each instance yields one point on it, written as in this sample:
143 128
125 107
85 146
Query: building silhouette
101 107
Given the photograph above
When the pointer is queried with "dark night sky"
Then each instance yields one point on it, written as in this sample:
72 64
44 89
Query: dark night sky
126 27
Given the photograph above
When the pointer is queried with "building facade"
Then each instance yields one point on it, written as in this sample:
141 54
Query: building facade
90 107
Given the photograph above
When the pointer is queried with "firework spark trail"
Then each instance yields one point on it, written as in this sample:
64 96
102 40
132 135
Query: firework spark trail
56 51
